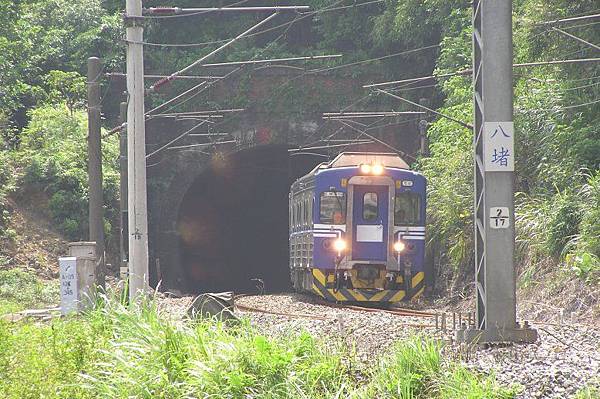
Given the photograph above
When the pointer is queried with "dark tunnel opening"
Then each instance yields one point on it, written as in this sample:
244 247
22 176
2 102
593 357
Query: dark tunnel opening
233 221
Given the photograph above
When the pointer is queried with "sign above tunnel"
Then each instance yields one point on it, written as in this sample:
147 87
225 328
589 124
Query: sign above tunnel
498 147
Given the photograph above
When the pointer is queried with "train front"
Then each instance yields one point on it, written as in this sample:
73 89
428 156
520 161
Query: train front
377 209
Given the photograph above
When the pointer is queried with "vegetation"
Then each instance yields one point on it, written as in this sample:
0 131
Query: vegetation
113 352
21 290
557 146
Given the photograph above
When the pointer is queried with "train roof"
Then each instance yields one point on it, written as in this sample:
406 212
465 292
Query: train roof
345 159
387 159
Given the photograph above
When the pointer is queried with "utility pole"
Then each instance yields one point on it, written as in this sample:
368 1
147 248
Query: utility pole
96 218
136 153
124 237
423 124
495 279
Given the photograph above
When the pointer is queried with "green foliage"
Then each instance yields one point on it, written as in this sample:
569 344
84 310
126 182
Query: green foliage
21 290
557 138
67 87
449 173
6 187
588 392
40 36
54 150
115 352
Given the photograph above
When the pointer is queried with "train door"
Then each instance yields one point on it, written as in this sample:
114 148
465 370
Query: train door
370 222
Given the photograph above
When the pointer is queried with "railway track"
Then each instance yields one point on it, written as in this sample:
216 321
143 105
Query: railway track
441 321
400 312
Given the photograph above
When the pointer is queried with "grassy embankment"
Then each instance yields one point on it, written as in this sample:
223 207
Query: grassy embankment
115 352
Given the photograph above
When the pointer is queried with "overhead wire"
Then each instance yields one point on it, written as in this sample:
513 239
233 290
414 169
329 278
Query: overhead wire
235 70
193 13
300 16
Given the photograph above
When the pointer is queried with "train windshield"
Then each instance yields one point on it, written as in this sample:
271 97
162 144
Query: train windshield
407 210
333 207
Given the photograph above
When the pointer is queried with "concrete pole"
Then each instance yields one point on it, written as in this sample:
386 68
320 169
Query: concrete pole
136 154
96 217
495 279
124 237
423 125
423 142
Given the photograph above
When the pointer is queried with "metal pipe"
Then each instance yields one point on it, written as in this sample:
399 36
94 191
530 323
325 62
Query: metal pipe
309 57
179 10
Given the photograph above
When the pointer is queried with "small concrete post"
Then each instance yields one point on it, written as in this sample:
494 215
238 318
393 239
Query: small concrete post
96 217
78 277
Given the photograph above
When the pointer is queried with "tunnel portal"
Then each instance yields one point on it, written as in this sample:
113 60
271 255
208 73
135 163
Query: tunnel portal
233 221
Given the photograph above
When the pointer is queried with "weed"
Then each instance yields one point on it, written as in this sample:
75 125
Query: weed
117 352
20 290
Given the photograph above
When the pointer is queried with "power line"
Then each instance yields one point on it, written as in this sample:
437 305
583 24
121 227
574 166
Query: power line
352 143
559 21
596 101
463 124
375 59
576 38
181 77
303 58
201 145
175 139
226 75
377 140
469 71
201 59
232 72
298 18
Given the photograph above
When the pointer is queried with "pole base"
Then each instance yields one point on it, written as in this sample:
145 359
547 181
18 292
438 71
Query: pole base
524 335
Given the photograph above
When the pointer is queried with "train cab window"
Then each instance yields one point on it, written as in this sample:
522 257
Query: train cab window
407 209
333 207
370 206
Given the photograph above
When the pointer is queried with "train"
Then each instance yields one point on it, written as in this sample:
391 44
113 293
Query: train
357 230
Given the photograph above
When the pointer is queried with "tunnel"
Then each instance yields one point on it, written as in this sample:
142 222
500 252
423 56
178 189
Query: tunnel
233 221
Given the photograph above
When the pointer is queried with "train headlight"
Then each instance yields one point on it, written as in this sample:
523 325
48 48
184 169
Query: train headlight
339 245
399 246
377 169
365 168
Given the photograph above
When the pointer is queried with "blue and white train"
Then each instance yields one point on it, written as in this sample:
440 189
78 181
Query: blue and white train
357 229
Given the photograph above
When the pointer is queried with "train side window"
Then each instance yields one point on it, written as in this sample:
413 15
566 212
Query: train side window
407 209
370 206
332 207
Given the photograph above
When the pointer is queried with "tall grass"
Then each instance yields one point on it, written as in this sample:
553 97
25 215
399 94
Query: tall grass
118 352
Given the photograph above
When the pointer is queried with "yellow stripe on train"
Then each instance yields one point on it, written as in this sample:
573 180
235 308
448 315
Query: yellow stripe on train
359 295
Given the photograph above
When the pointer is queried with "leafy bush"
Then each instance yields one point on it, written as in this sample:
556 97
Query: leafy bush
53 152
